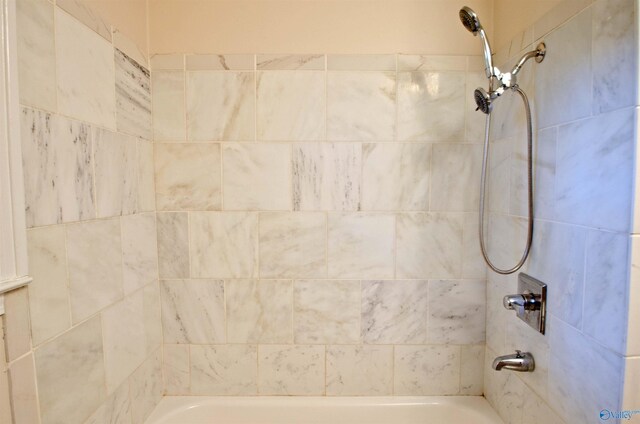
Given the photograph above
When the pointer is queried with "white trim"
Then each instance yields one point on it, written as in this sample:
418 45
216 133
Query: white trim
14 283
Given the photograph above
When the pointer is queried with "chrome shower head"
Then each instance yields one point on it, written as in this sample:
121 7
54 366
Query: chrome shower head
469 19
471 22
483 100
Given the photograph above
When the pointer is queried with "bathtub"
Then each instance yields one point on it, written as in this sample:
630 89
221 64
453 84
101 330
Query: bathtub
324 410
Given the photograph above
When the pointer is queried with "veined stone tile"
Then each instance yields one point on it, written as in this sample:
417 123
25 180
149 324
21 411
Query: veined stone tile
224 370
412 62
326 176
85 72
291 370
56 189
95 266
361 62
173 244
36 54
326 312
176 369
193 311
220 62
169 123
220 106
291 106
293 245
315 62
188 176
359 370
167 62
146 388
139 251
85 14
455 171
259 311
116 173
394 312
24 396
427 370
223 244
133 97
456 312
115 410
146 177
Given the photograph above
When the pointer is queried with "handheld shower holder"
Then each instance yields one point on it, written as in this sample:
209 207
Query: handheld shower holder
509 80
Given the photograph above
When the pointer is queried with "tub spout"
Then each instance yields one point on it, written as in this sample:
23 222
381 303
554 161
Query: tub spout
519 361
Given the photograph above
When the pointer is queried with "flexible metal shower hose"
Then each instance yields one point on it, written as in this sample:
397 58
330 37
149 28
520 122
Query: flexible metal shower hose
485 160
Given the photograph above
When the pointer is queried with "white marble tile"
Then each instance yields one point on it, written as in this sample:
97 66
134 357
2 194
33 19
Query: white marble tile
58 176
291 106
562 80
361 62
538 411
220 62
414 62
456 311
308 62
133 97
326 312
176 369
361 245
326 176
359 370
455 177
115 410
70 372
259 311
95 266
605 286
193 311
167 62
505 238
499 168
24 395
87 15
16 323
48 292
124 351
173 245
116 173
361 106
146 177
594 171
139 251
475 120
394 312
504 391
220 106
519 335
396 176
152 316
431 106
129 47
472 370
188 176
85 72
146 388
291 370
224 370
168 107
545 174
473 265
257 176
576 394
224 245
36 54
426 370
558 258
613 49
429 245
293 245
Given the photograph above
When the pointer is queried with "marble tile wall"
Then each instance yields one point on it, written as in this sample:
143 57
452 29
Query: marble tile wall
84 339
585 105
317 224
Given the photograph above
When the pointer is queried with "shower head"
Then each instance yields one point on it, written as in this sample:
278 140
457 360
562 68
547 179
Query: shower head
469 19
471 22
483 100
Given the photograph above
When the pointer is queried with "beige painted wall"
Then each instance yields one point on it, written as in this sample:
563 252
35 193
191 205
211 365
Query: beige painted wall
128 16
513 16
312 26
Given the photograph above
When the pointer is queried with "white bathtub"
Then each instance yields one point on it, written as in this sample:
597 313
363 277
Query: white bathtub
324 410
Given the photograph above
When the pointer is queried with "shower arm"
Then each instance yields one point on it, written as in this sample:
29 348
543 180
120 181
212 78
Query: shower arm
508 79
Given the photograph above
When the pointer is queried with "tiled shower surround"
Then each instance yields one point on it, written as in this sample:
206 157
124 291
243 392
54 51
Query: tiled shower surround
317 220
585 107
87 332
